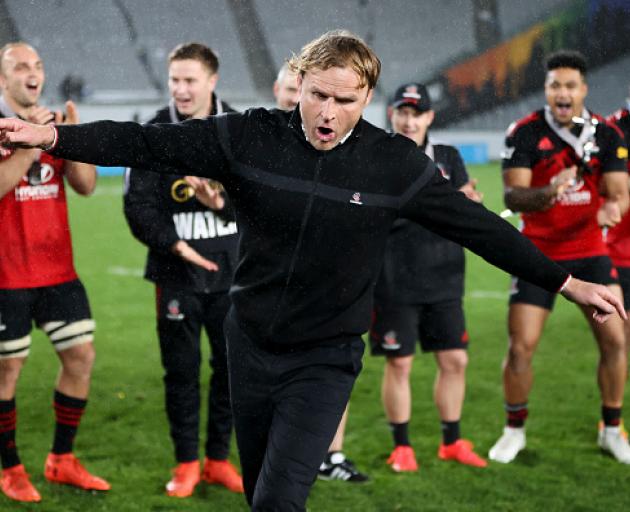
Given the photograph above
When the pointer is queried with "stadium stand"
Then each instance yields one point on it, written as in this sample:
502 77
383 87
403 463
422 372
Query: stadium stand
606 94
109 41
94 43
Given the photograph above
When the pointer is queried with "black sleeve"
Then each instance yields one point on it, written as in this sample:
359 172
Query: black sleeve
614 152
442 209
519 148
199 147
147 217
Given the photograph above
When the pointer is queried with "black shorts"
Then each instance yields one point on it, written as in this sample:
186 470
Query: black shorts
624 281
61 311
598 269
395 328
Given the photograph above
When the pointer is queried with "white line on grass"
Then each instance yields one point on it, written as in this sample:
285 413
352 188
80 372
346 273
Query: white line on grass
125 271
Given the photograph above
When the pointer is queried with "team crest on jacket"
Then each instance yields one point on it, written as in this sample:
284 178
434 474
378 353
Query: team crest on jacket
356 198
173 311
181 191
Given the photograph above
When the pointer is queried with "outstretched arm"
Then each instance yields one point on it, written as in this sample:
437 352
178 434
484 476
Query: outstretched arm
441 209
192 146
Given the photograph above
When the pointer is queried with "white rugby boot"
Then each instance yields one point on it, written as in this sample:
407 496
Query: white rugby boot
612 440
509 444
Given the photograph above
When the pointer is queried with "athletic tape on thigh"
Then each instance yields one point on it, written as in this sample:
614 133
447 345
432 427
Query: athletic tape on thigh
15 348
64 335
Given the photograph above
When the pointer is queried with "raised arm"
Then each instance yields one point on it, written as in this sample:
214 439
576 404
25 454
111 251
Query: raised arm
192 146
81 177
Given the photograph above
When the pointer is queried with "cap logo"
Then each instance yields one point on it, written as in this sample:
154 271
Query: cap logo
411 91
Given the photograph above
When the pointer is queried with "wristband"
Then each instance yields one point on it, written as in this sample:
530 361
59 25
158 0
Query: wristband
52 145
566 282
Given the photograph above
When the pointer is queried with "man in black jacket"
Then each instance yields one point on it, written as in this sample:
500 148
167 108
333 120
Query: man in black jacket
191 236
418 296
315 193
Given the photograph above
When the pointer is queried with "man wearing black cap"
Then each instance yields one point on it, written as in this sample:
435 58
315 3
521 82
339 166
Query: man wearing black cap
419 296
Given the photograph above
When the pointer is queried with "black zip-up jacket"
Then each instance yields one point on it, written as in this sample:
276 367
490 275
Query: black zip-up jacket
160 212
313 224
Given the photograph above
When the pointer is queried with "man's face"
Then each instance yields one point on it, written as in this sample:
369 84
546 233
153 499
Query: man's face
286 91
22 76
565 90
331 104
191 85
412 123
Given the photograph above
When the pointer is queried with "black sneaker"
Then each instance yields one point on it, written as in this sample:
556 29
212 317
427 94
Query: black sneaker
337 467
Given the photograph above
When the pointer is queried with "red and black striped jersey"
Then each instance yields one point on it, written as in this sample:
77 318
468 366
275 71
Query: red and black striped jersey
35 246
567 230
618 238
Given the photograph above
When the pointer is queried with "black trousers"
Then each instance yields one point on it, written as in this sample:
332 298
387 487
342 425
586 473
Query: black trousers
181 316
287 405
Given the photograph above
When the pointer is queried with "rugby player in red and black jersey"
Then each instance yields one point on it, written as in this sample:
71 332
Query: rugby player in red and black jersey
419 297
191 235
38 282
557 161
618 237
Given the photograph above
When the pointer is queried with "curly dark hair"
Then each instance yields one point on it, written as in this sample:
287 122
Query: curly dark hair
566 59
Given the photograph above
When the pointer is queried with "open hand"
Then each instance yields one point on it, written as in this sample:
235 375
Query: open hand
187 253
604 302
207 192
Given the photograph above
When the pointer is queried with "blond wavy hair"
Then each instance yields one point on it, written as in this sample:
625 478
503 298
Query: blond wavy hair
338 48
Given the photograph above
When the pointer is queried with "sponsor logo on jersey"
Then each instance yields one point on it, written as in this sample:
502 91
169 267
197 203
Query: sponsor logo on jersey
356 198
181 191
389 341
38 178
545 144
575 196
622 152
173 312
201 225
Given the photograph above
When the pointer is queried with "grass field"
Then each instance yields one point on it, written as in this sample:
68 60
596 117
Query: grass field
124 435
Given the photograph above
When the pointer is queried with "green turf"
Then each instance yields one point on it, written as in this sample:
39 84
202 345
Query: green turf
124 433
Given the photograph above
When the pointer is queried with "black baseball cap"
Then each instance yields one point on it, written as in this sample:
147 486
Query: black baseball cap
412 95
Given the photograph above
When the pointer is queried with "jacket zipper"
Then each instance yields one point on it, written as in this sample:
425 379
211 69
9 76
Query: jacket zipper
298 244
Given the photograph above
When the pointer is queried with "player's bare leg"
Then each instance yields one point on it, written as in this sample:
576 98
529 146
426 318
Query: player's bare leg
72 389
396 396
448 392
337 466
612 372
525 325
14 481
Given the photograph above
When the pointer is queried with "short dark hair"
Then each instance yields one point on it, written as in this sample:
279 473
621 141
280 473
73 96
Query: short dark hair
566 59
195 51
